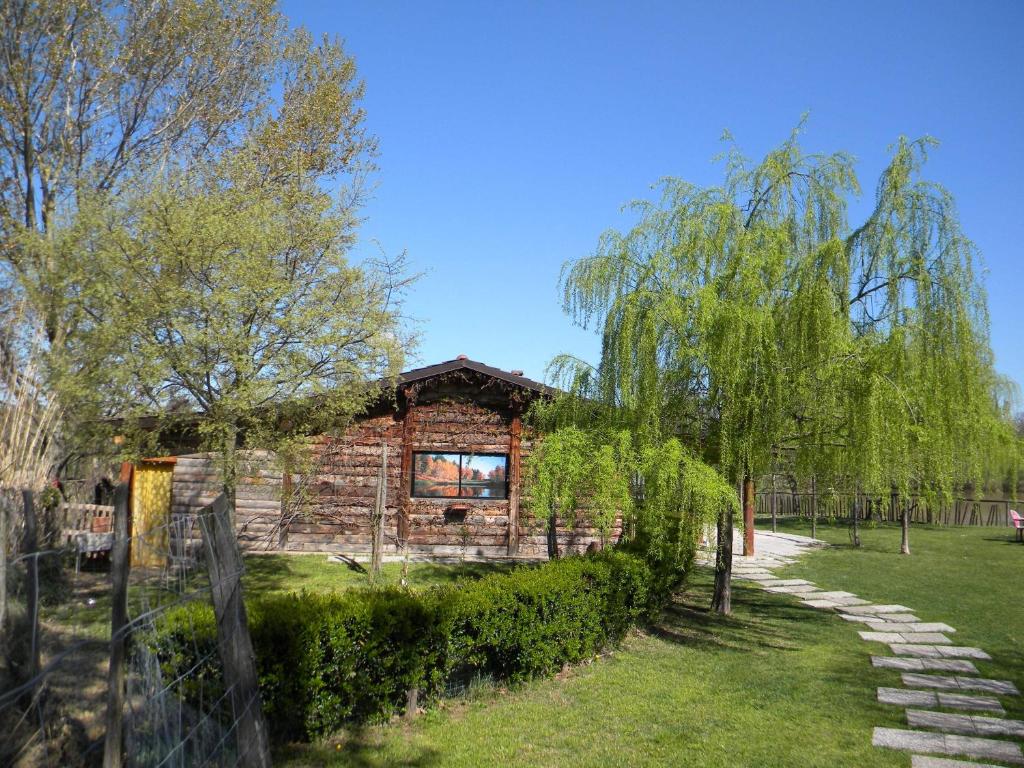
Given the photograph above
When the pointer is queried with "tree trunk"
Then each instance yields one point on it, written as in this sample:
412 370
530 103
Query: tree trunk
224 561
775 504
814 507
748 515
856 515
379 507
552 535
113 747
905 532
722 600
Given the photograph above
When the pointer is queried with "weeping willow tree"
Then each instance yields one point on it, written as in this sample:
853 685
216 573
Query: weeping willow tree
750 319
663 493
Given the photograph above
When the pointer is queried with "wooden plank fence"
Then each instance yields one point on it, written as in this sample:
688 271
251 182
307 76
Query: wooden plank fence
983 512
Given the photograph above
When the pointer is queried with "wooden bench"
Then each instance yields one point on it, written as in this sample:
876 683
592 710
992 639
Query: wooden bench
1018 524
88 530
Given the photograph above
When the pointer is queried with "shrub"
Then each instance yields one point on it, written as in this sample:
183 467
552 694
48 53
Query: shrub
324 659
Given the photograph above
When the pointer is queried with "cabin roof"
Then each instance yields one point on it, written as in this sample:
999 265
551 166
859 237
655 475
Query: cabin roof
464 363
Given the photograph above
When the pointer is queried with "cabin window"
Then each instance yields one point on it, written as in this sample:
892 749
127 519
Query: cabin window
460 475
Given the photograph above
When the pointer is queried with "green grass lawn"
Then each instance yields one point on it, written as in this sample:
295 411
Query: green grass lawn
83 607
969 578
266 574
774 685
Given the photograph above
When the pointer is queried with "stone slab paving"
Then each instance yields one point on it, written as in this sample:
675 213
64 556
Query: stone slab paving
916 664
957 683
834 602
878 609
939 651
795 589
919 648
902 697
881 618
927 761
917 638
948 744
969 725
910 626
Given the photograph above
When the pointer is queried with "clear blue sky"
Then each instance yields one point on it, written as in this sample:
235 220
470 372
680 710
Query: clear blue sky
512 133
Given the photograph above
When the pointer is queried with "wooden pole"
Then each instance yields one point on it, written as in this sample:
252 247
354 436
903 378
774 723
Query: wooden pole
224 562
379 508
748 516
514 448
113 745
408 433
31 547
3 572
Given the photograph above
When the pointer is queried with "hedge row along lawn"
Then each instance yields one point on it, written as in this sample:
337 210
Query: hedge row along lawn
325 659
774 685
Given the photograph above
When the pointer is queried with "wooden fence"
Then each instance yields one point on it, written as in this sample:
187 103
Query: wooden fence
991 512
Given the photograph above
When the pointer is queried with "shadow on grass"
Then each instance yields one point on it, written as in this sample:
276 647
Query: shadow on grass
759 620
276 573
357 747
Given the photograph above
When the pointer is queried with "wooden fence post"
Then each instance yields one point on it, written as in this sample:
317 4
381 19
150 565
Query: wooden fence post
380 506
224 563
30 545
514 449
3 572
113 746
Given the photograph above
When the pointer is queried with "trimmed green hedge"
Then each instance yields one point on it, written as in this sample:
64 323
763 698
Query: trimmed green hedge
324 659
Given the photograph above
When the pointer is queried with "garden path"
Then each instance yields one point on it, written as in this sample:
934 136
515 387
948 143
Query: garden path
950 709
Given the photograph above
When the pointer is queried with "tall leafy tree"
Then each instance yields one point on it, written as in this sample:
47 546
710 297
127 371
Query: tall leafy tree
97 96
751 319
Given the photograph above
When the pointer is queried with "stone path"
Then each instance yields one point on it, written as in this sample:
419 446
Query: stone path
950 709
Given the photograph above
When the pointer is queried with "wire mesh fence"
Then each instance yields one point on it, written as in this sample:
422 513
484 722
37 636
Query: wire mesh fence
81 679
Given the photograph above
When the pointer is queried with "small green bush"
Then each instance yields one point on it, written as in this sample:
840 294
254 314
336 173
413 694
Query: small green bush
325 659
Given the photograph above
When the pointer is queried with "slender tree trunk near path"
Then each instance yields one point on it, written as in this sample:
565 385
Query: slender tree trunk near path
748 515
552 535
905 530
775 504
224 561
113 746
856 514
814 507
722 600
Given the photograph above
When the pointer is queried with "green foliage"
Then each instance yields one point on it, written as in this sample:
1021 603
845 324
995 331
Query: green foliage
753 322
663 493
327 659
572 470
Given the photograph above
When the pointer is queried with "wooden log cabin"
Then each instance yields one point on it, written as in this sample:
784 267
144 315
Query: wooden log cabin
450 442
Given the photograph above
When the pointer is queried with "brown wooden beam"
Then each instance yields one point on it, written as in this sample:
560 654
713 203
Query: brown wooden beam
405 497
514 450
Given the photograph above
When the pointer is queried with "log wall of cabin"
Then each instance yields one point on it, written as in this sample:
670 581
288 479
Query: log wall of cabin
196 482
328 507
335 499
